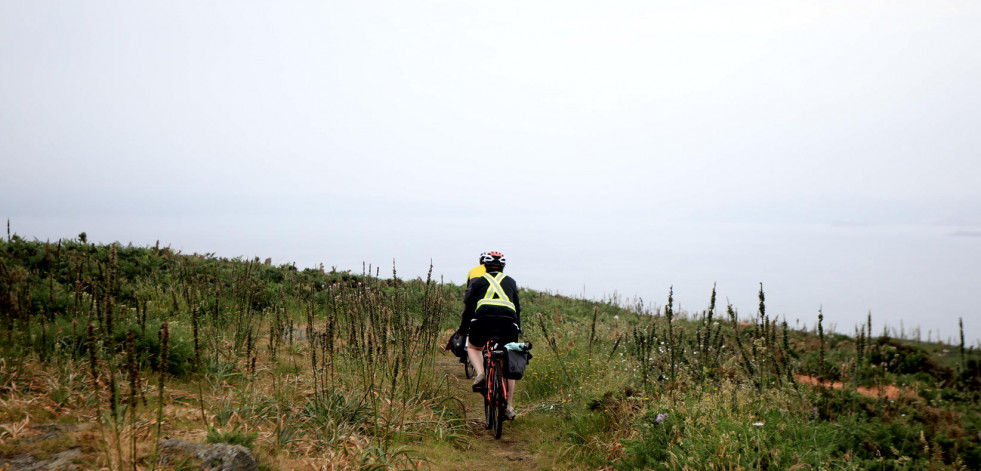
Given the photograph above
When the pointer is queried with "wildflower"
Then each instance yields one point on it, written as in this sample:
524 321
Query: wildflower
757 424
660 417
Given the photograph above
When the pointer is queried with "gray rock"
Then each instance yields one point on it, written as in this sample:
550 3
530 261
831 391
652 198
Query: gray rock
59 462
22 462
218 457
173 451
49 431
225 457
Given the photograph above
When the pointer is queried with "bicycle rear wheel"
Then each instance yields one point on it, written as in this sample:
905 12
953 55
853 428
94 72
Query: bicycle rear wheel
468 369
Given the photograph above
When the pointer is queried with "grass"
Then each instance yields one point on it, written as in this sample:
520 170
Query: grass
128 345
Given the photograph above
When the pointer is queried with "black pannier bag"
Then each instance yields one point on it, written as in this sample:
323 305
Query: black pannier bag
515 363
458 344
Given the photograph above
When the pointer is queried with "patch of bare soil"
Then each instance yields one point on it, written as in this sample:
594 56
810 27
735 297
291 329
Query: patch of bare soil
888 391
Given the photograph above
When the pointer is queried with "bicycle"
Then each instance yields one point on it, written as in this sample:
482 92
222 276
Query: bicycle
457 345
495 390
468 368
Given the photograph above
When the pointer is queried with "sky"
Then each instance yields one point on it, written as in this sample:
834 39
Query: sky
434 130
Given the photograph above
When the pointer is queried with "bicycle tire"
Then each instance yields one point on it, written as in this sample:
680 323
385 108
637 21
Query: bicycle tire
498 398
488 414
495 418
499 424
488 405
468 369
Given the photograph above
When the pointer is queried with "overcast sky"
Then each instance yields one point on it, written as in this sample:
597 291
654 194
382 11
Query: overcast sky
575 105
412 123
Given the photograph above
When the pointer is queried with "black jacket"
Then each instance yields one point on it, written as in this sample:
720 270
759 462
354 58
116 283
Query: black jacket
476 291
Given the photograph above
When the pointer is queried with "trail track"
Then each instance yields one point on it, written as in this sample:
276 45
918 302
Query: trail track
511 452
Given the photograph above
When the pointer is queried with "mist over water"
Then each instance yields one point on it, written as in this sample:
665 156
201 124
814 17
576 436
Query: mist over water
908 276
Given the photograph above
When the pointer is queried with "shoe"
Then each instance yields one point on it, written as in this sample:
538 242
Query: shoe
509 413
479 383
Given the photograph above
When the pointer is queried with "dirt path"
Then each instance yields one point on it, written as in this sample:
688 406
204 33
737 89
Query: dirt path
511 452
887 391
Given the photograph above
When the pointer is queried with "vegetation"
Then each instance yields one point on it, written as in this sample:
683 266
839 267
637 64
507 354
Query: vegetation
121 346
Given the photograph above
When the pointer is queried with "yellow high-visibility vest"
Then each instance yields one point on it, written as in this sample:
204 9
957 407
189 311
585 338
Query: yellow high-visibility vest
495 295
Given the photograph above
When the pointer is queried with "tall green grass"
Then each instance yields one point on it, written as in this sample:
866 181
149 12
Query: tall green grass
149 319
312 363
685 391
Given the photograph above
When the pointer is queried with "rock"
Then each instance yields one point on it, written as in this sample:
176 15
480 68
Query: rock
59 462
63 460
22 462
174 451
225 457
49 431
218 457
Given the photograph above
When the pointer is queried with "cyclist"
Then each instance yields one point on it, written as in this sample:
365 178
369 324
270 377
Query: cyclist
491 309
477 271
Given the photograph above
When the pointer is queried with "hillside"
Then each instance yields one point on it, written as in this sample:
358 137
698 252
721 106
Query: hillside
108 350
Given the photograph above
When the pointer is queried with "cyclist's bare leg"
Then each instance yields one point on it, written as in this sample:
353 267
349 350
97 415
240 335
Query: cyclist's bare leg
476 359
511 384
